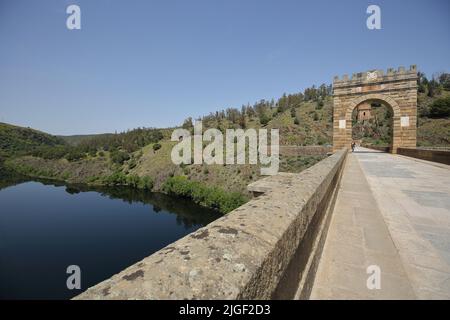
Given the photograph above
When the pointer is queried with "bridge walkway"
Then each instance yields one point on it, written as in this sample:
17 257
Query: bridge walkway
392 212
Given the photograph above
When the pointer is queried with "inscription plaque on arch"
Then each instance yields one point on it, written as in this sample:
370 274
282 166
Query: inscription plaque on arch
404 121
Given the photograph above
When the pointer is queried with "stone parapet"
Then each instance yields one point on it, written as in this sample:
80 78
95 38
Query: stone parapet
440 156
286 150
376 76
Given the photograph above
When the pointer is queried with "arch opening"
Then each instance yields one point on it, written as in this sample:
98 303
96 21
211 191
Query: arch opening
383 135
372 124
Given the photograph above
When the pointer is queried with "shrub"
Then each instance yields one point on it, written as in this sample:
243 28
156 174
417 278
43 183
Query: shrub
264 119
145 183
319 105
440 108
293 113
117 178
316 116
132 163
133 180
119 157
156 146
74 155
212 197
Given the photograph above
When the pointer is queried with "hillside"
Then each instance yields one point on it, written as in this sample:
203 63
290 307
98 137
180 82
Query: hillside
141 157
15 140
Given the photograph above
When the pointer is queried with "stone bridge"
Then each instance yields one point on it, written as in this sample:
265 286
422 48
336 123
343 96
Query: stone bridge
313 235
326 232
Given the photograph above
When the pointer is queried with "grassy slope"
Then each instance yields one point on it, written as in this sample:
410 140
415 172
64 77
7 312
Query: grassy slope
432 132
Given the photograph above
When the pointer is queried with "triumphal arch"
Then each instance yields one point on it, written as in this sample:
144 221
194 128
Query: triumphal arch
397 89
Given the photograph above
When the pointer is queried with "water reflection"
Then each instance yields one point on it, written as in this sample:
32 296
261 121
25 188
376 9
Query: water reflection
46 226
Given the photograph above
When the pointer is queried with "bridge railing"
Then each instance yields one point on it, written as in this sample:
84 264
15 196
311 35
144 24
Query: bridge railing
265 249
441 156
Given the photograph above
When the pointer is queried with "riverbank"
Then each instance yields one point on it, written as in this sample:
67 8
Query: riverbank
95 173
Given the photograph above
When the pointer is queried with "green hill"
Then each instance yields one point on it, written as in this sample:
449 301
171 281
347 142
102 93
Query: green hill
15 140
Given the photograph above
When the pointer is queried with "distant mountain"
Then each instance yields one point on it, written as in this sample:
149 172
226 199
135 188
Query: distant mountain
15 140
77 139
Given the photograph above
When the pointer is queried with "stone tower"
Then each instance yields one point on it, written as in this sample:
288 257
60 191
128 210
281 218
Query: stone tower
363 112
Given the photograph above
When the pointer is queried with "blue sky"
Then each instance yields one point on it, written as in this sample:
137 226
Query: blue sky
154 63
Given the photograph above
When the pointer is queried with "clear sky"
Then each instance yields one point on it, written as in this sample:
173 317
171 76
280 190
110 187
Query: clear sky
154 63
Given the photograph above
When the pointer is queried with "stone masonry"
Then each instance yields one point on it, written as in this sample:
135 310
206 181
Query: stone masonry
396 89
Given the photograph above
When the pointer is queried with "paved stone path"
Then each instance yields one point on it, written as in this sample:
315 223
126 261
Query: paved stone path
393 212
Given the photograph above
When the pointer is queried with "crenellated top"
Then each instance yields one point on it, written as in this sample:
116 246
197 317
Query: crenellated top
377 76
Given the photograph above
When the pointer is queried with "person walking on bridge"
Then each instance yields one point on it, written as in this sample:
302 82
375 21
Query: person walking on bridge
353 146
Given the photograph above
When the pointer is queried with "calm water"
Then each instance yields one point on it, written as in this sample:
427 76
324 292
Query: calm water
44 228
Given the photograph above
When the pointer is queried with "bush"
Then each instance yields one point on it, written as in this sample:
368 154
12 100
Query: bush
211 197
440 108
156 146
264 119
119 157
316 116
133 181
117 178
51 152
293 113
132 163
319 105
74 155
145 183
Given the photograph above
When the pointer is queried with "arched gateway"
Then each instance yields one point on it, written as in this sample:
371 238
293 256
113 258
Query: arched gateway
396 90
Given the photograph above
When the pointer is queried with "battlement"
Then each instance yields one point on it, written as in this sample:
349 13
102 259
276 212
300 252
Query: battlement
377 76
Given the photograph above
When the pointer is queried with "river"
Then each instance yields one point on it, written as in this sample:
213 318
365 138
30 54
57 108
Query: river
46 227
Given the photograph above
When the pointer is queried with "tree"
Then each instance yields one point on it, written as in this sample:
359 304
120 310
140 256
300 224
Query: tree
293 113
264 119
242 121
119 157
187 124
440 108
433 88
320 104
422 82
156 146
444 80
